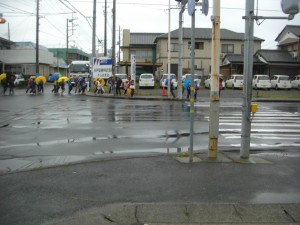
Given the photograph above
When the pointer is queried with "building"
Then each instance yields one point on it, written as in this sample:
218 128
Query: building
143 47
151 49
284 60
289 40
20 58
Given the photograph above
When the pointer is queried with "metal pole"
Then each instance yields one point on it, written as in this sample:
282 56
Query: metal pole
192 88
105 28
113 48
169 50
248 74
214 90
67 50
180 40
94 30
37 66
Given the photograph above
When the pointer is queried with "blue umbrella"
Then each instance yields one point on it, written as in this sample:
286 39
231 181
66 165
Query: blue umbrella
37 74
186 83
54 77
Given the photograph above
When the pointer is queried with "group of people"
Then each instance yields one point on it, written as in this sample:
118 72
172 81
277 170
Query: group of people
79 84
34 87
114 84
8 83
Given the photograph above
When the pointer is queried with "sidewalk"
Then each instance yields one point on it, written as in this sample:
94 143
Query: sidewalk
158 189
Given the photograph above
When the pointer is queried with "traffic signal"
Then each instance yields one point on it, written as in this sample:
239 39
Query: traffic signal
2 20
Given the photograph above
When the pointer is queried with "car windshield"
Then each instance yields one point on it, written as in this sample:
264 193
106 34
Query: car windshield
239 77
146 76
263 78
283 78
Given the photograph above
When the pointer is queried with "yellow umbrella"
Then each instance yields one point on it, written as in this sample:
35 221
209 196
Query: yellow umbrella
65 79
2 76
40 78
101 80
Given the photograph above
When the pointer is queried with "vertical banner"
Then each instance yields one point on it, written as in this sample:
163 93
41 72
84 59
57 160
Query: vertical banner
133 68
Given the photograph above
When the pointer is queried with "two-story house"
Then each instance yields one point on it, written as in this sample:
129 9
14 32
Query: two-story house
155 47
283 60
143 47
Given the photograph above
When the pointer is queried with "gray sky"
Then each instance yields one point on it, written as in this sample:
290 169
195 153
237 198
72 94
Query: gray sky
136 15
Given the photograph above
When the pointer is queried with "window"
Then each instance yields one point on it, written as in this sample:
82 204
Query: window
174 47
198 45
227 48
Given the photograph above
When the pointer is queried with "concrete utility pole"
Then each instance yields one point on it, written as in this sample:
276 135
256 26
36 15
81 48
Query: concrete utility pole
214 90
248 74
37 65
94 30
180 40
192 99
113 48
105 28
169 50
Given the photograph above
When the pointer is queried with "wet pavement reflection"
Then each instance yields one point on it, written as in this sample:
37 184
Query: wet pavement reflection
73 128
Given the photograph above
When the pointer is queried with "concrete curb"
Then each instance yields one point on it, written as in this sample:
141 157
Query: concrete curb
186 213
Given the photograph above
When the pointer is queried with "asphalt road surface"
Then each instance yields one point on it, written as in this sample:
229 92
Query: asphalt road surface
48 130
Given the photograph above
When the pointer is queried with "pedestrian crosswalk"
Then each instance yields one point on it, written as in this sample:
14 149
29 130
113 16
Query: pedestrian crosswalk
268 129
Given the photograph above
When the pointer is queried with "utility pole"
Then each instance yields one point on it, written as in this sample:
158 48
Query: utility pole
94 30
248 74
105 28
113 48
169 50
180 40
214 90
119 53
37 66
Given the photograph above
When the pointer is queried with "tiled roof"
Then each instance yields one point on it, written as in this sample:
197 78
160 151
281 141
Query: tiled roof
274 56
290 28
238 58
143 38
206 33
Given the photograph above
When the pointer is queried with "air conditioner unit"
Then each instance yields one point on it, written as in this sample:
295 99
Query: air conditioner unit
294 54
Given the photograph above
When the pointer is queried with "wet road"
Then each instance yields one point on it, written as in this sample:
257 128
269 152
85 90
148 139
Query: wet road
41 131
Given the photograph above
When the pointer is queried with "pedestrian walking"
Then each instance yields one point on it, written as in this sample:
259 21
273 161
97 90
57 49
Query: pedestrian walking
110 83
11 83
62 86
132 87
40 87
172 87
118 85
4 85
220 86
126 86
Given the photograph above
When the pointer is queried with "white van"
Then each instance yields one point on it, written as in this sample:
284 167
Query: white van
281 82
235 81
261 81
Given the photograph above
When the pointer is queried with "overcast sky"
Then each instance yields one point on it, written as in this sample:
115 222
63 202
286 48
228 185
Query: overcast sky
136 15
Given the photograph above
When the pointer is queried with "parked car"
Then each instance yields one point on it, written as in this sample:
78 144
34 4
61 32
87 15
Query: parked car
261 81
19 80
146 80
235 81
281 82
207 81
295 82
162 82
